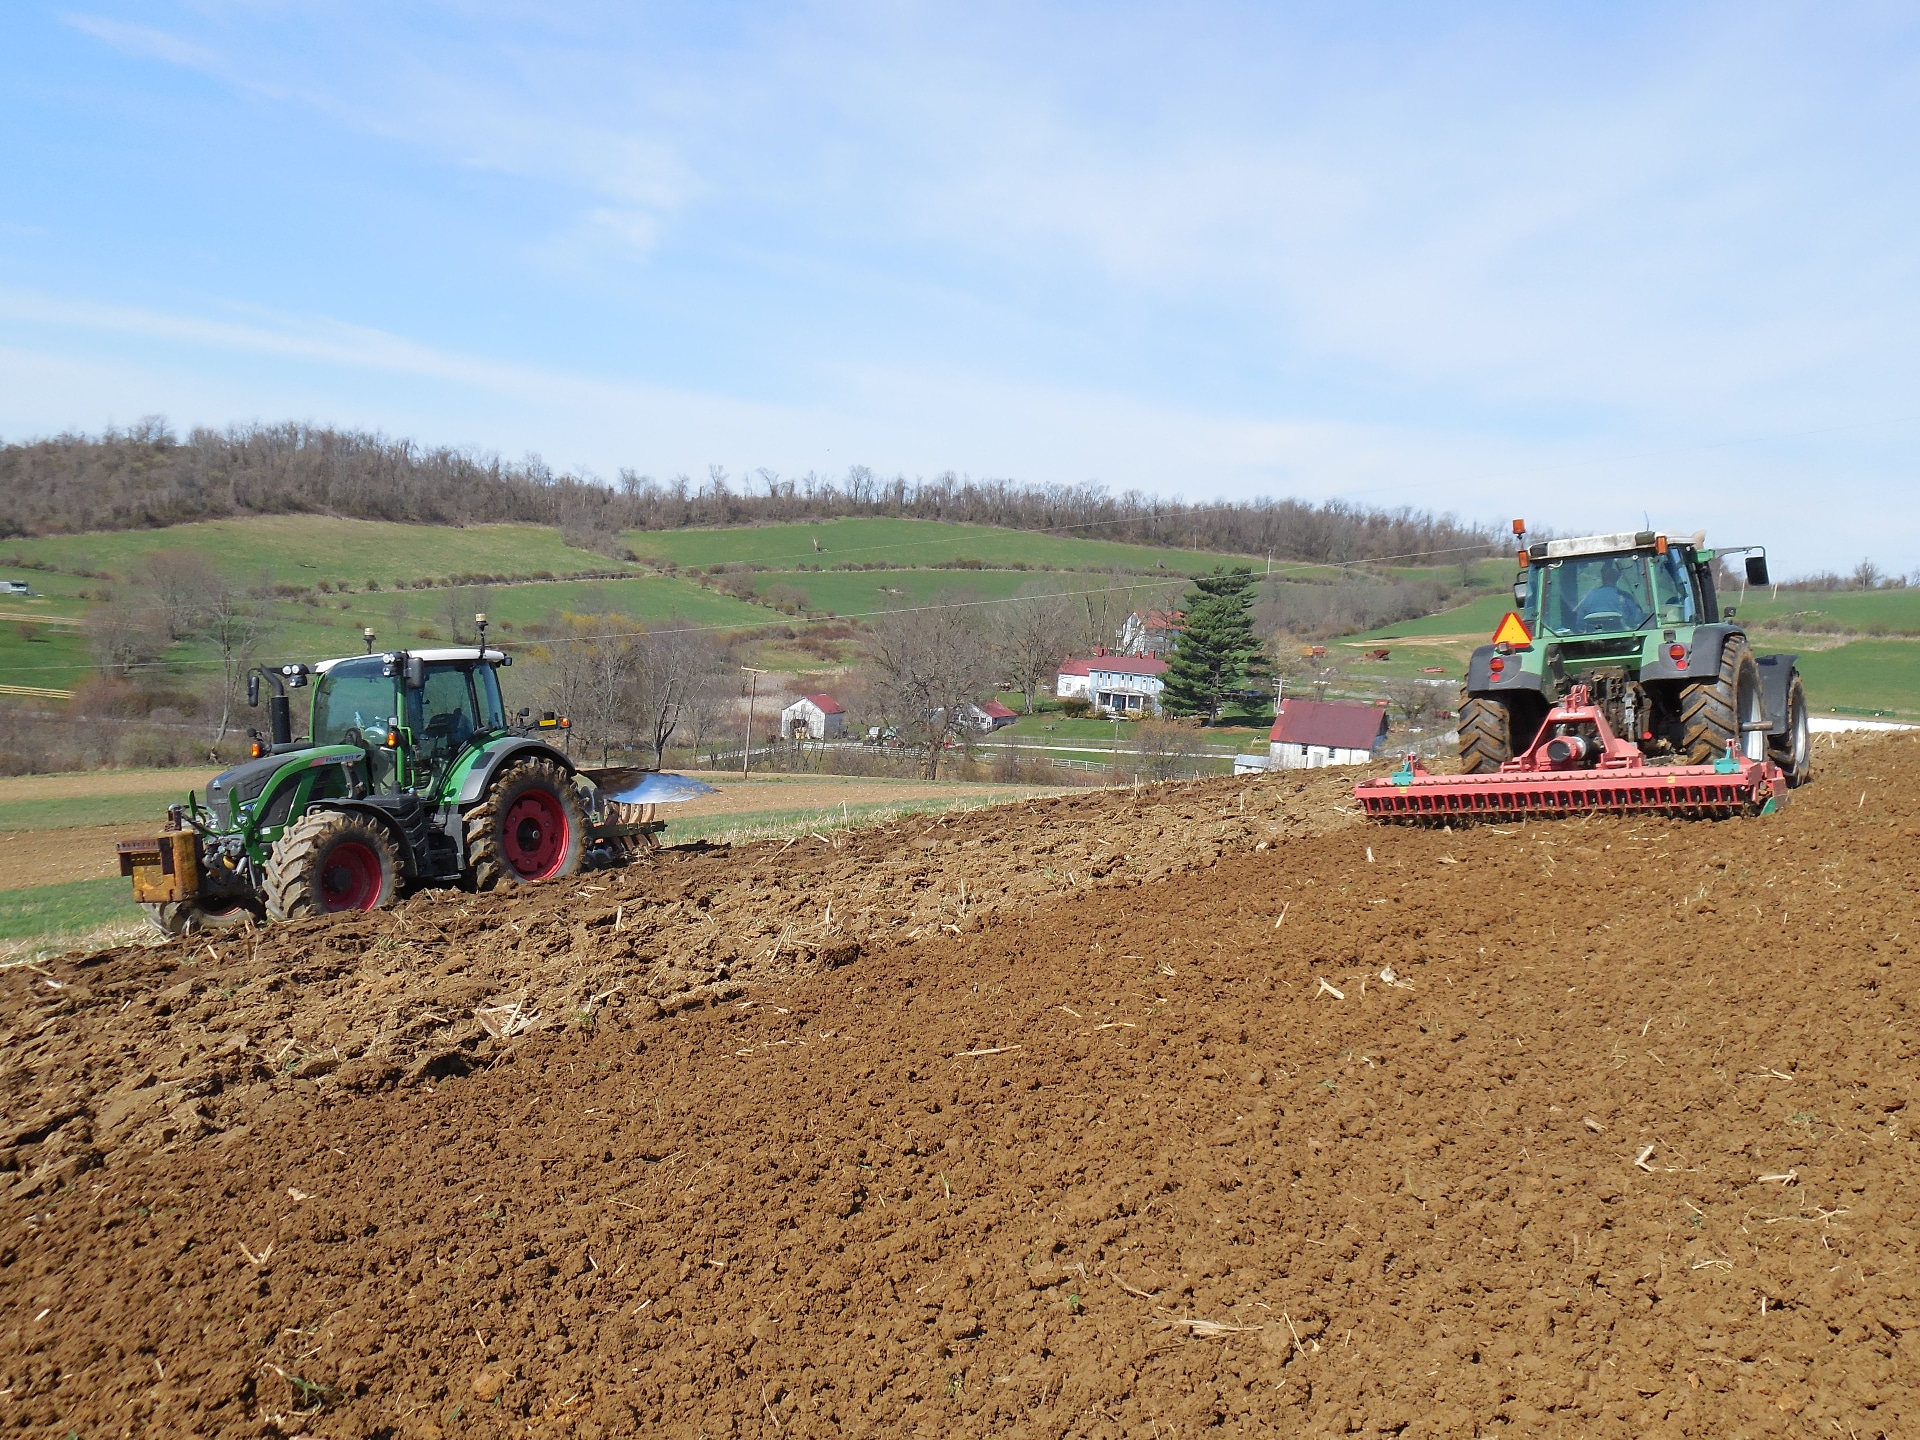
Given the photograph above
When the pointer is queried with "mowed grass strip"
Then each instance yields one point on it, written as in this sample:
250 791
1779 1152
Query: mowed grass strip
911 543
137 810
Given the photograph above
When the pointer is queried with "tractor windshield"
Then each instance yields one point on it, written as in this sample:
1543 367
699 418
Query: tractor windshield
351 701
1596 595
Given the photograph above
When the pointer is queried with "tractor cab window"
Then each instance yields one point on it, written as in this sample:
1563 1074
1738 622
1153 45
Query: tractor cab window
457 703
1596 595
1673 599
353 703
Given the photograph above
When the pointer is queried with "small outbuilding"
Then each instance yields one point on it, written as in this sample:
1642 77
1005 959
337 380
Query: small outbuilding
990 716
813 717
1308 734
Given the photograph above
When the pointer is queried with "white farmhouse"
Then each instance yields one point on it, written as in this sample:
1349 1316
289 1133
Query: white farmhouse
1126 684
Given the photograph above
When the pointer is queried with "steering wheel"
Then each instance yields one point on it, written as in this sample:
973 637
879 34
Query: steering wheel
352 736
1605 620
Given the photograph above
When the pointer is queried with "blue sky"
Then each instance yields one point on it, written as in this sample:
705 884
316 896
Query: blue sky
1580 262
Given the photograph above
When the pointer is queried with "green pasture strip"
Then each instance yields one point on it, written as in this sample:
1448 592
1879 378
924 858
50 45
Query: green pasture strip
910 543
1898 610
846 592
1477 617
56 657
1866 676
70 909
70 814
306 549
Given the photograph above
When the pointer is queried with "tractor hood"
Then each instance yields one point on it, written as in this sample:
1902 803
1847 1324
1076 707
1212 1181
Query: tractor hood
240 786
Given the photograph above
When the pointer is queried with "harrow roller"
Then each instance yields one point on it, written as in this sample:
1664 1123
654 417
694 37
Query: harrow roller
1576 766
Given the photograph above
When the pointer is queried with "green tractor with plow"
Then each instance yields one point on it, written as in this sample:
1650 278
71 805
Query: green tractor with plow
415 775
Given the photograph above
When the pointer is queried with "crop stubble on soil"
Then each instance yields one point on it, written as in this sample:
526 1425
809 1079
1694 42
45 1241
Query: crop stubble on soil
968 1159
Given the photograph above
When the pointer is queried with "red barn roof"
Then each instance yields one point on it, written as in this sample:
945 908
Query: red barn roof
994 710
1320 722
1130 664
828 705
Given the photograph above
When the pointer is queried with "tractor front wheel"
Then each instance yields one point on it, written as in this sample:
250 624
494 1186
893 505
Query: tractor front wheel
328 861
1719 712
530 827
1495 728
207 914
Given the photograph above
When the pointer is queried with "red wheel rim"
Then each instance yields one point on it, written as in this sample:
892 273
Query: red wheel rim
350 877
534 835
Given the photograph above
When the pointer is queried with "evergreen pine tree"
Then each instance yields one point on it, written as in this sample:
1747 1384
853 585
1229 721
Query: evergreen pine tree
1216 654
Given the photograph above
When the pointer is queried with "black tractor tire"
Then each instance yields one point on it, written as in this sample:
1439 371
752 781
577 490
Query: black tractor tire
1793 750
206 915
530 827
329 861
1713 712
1491 729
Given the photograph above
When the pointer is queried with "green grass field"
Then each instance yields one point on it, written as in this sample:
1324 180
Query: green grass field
910 543
306 549
48 911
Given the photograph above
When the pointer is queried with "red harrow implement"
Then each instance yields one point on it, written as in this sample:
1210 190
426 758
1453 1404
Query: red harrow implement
1577 766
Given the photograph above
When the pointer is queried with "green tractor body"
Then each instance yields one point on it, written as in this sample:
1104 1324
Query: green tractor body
414 776
1634 618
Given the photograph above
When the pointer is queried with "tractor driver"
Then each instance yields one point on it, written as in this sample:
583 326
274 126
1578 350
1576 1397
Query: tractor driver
1608 599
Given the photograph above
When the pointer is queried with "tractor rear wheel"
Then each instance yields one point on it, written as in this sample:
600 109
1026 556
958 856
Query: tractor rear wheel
530 827
328 861
1716 712
1793 750
1491 729
210 913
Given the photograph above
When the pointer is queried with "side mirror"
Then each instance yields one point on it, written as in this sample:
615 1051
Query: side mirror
1757 570
416 673
1520 592
253 691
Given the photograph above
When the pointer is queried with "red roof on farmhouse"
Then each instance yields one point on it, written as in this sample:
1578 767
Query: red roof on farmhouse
828 705
994 710
1071 666
1130 664
1318 722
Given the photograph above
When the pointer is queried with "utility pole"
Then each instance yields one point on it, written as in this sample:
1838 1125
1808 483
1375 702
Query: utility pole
753 692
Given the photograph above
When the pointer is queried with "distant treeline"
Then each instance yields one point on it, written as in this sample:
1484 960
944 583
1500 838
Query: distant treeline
145 477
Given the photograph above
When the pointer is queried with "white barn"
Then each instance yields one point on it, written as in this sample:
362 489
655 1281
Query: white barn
1308 734
813 717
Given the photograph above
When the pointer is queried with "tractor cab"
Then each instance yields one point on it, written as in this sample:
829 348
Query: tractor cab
1604 587
415 713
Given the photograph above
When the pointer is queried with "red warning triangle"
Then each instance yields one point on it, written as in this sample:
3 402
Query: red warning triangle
1512 631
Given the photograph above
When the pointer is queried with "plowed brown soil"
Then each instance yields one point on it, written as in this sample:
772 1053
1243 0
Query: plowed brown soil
1089 1117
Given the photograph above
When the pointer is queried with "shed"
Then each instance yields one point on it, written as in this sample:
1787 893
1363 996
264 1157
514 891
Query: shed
990 716
813 717
1310 733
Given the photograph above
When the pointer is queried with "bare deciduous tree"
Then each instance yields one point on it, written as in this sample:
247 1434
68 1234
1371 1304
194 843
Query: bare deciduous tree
237 625
181 581
1164 751
929 664
1032 633
123 633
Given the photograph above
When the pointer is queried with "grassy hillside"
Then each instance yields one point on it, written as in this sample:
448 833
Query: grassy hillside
910 543
306 549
